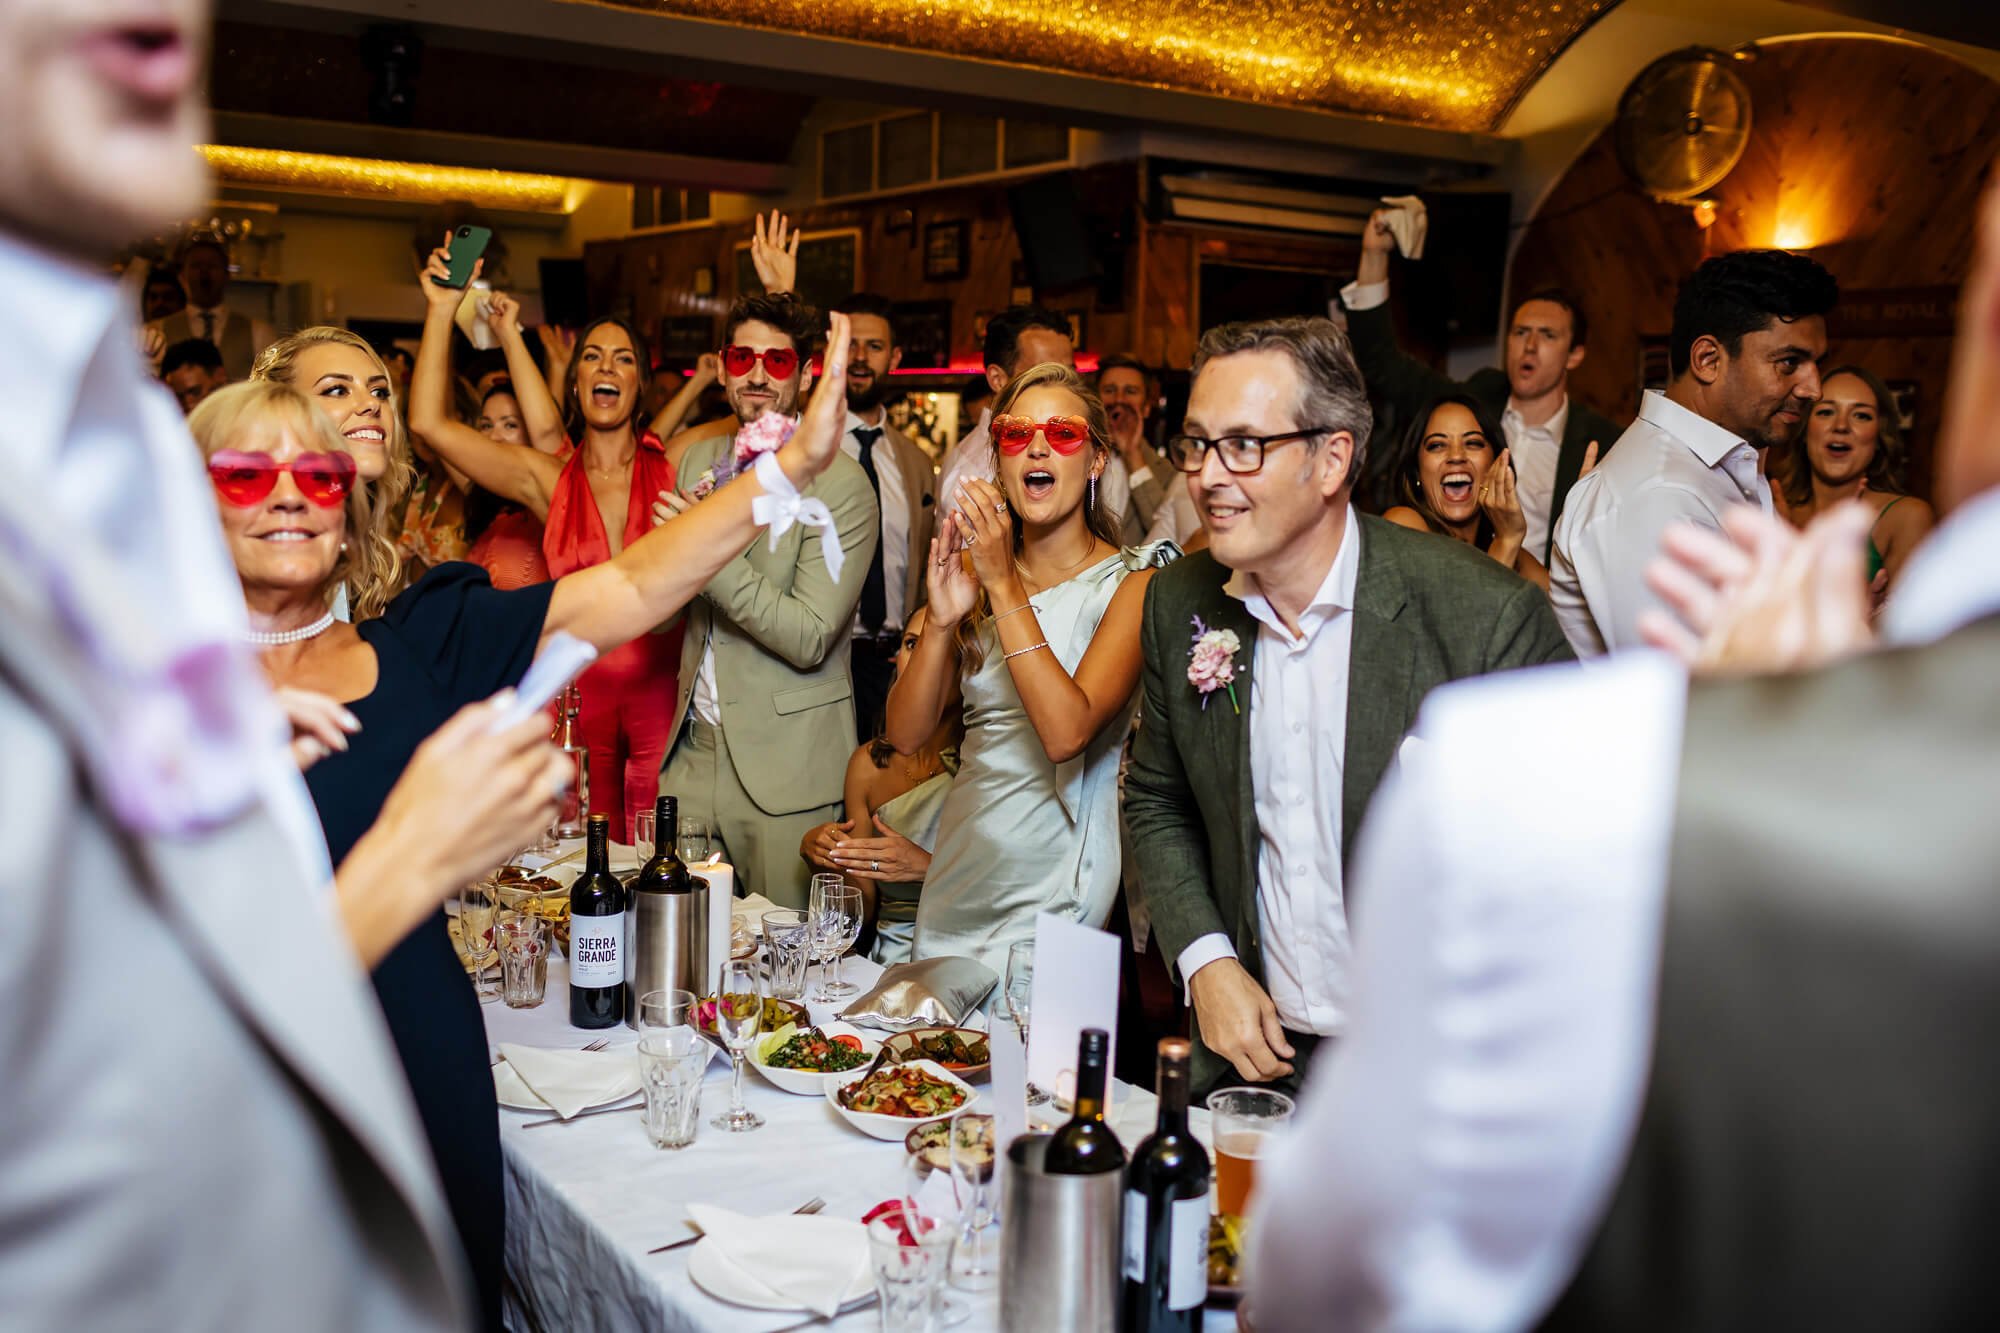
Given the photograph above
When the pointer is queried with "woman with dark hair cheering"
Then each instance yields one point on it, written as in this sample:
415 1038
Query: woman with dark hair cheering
1453 477
592 503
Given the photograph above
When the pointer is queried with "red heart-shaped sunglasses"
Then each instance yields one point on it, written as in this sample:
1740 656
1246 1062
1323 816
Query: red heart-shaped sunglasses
244 479
1065 435
779 362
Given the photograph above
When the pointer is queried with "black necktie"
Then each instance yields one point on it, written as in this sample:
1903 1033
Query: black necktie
208 325
874 599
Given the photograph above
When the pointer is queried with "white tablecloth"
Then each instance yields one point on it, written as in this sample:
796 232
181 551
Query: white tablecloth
586 1200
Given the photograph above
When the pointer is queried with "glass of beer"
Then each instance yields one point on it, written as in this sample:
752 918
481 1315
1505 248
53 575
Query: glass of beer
1244 1118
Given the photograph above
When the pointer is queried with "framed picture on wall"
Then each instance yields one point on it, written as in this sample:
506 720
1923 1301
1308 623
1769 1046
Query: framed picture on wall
684 338
945 245
923 331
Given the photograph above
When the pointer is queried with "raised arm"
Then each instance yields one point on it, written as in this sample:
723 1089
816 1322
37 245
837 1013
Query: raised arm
649 582
1392 374
541 416
516 472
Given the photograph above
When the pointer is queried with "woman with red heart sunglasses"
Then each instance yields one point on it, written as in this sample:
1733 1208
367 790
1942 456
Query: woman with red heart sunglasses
294 519
1033 632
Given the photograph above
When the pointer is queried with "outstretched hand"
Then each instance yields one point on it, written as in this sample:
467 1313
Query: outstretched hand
1760 596
816 442
774 250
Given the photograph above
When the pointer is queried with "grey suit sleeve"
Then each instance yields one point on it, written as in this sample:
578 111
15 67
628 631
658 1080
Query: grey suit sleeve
1526 632
1169 843
803 622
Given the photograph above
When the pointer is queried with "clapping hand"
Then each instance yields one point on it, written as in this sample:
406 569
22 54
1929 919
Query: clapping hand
985 526
1760 596
1500 502
948 579
774 250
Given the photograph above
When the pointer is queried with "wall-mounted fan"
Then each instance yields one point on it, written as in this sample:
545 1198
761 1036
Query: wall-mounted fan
1683 122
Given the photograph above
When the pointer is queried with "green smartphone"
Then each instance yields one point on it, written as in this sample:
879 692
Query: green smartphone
467 245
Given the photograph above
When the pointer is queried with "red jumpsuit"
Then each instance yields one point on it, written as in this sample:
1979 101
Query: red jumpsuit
627 710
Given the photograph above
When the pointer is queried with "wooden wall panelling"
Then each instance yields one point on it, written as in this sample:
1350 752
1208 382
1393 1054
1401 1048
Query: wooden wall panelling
1868 153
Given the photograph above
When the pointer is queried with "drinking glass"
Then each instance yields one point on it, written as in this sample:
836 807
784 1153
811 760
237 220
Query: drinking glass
910 1255
692 839
835 908
476 909
672 1060
787 945
1019 989
739 1012
970 1137
643 835
931 1208
1244 1119
524 959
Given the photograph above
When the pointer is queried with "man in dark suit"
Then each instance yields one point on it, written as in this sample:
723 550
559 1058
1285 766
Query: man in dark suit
1552 438
1262 743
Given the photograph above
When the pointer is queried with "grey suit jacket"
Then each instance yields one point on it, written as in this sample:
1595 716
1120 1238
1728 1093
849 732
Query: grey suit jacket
780 624
1816 1145
202 1120
1428 609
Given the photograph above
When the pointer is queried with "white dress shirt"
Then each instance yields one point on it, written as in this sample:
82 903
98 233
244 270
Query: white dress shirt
1298 749
1670 466
1535 449
1176 520
894 502
971 457
1448 1171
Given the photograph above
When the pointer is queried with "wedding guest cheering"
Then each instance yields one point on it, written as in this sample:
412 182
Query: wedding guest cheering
1017 339
894 802
1853 448
765 715
1454 477
220 1138
627 696
1282 668
289 507
1032 633
1749 329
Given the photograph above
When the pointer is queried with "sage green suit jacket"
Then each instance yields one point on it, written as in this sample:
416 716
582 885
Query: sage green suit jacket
780 623
1428 610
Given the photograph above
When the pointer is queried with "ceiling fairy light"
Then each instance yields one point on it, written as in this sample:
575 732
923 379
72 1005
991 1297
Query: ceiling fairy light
407 182
1453 64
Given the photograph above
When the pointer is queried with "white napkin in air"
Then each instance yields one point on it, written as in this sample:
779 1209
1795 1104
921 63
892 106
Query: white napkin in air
1409 222
810 1261
568 1081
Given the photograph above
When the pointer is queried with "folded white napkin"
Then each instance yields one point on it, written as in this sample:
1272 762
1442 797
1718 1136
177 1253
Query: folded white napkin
809 1261
747 913
1409 222
567 1081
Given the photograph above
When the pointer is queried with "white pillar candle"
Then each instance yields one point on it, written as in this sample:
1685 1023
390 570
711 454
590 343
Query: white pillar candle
721 903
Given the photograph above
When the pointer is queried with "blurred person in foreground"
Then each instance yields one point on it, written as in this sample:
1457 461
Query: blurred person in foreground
1749 330
188 1031
1282 668
1733 1062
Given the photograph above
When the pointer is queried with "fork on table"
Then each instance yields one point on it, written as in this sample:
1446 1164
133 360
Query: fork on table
597 1045
810 1206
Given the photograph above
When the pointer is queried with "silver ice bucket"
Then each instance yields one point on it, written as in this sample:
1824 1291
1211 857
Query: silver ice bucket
1059 1239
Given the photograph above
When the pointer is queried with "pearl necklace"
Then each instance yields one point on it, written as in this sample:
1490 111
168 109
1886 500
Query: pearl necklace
277 638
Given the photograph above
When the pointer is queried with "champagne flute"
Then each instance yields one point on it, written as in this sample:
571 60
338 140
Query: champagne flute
643 835
476 918
739 1013
970 1138
1020 988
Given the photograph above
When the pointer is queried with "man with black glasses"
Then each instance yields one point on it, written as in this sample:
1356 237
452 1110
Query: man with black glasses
1283 666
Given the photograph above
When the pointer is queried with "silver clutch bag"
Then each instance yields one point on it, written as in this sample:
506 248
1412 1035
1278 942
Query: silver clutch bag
937 992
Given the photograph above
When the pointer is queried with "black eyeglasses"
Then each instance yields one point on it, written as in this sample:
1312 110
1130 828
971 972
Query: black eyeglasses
1240 454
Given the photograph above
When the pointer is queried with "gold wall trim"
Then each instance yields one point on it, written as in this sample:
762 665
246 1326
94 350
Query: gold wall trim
405 182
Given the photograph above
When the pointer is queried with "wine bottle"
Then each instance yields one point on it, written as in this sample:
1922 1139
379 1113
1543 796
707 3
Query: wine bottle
666 872
1166 1213
597 936
1085 1146
574 804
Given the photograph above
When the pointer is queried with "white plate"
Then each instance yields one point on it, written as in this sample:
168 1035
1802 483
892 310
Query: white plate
722 1279
896 1127
804 1083
517 1095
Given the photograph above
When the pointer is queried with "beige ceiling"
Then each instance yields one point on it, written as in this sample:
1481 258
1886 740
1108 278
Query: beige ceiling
1445 64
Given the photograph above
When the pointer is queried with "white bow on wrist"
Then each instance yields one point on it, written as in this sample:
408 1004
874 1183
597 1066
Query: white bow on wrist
781 505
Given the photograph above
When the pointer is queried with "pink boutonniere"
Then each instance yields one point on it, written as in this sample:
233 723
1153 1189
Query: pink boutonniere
1212 663
761 436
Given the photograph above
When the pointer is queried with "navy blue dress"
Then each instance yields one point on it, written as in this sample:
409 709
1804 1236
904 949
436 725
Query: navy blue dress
448 641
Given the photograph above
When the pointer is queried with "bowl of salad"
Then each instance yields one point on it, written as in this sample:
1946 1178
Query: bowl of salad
961 1050
883 1103
801 1060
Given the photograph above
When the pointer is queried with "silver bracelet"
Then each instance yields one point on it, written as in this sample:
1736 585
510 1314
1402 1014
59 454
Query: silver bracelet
1029 649
1025 606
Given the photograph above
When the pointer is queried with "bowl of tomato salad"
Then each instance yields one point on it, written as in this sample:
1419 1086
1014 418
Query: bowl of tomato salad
802 1060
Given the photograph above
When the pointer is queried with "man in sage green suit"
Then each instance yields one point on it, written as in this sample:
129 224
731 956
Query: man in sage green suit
1241 801
763 722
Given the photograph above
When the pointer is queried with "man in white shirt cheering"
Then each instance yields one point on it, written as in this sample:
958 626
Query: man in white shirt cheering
1749 330
1262 745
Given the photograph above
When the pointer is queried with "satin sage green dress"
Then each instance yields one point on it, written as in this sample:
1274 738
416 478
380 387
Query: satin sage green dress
1020 835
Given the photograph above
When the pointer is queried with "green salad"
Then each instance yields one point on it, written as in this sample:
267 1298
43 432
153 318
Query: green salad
812 1052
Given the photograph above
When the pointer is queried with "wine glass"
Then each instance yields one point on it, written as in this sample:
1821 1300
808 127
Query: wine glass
691 839
476 918
1020 988
739 1013
835 909
970 1137
643 841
